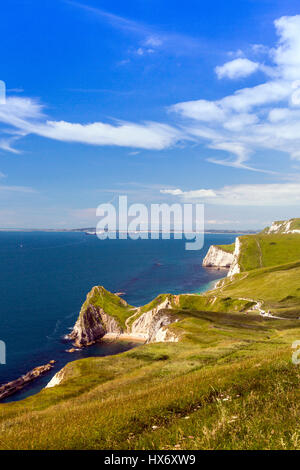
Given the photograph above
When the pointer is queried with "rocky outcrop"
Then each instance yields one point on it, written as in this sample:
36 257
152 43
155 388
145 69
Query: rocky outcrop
92 325
216 257
94 322
16 385
152 324
99 318
284 226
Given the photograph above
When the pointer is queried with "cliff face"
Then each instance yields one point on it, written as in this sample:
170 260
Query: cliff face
151 325
56 379
216 257
93 323
235 267
102 314
284 226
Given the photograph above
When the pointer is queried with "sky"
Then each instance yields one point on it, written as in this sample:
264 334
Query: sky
164 102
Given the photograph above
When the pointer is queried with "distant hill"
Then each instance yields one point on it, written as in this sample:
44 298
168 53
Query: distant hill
284 226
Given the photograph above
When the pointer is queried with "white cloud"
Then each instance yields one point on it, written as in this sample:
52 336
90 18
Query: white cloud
238 53
221 222
287 54
150 135
142 51
286 194
201 110
26 117
6 144
248 121
174 43
260 49
190 194
258 118
153 41
237 68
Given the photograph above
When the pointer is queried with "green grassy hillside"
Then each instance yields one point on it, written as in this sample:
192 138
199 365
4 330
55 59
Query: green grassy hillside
227 248
261 250
229 383
282 226
117 307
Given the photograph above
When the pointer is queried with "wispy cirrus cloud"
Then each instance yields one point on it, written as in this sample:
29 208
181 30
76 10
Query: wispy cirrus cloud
150 38
26 116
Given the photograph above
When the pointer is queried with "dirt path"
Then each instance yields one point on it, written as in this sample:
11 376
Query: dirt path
260 253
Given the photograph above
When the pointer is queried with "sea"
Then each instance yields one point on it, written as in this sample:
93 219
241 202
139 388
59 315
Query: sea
45 277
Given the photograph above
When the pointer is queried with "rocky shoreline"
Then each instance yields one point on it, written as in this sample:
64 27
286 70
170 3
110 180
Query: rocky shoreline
14 386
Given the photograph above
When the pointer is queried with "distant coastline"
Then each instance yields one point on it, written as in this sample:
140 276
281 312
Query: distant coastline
92 230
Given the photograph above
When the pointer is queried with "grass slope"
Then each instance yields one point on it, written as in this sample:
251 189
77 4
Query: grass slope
258 251
229 383
226 248
110 303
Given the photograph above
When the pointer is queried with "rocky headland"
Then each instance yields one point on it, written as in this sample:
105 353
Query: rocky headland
106 315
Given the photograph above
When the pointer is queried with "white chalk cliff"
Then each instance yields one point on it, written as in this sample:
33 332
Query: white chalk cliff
285 226
151 325
235 267
218 258
100 316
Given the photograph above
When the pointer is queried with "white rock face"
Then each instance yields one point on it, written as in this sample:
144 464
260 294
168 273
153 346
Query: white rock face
218 258
235 267
151 325
282 227
56 380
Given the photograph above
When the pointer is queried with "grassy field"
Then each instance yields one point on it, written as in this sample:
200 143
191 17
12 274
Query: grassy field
229 383
227 248
262 250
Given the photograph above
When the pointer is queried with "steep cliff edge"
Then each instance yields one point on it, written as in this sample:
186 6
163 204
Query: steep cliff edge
217 257
94 321
235 267
224 257
283 226
104 313
151 324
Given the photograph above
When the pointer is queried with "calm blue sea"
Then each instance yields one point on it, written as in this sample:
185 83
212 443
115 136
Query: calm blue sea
44 279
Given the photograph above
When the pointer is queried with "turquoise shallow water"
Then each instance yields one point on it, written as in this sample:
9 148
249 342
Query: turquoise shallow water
44 279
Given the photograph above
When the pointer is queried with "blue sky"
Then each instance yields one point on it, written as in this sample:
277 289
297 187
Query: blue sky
163 101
